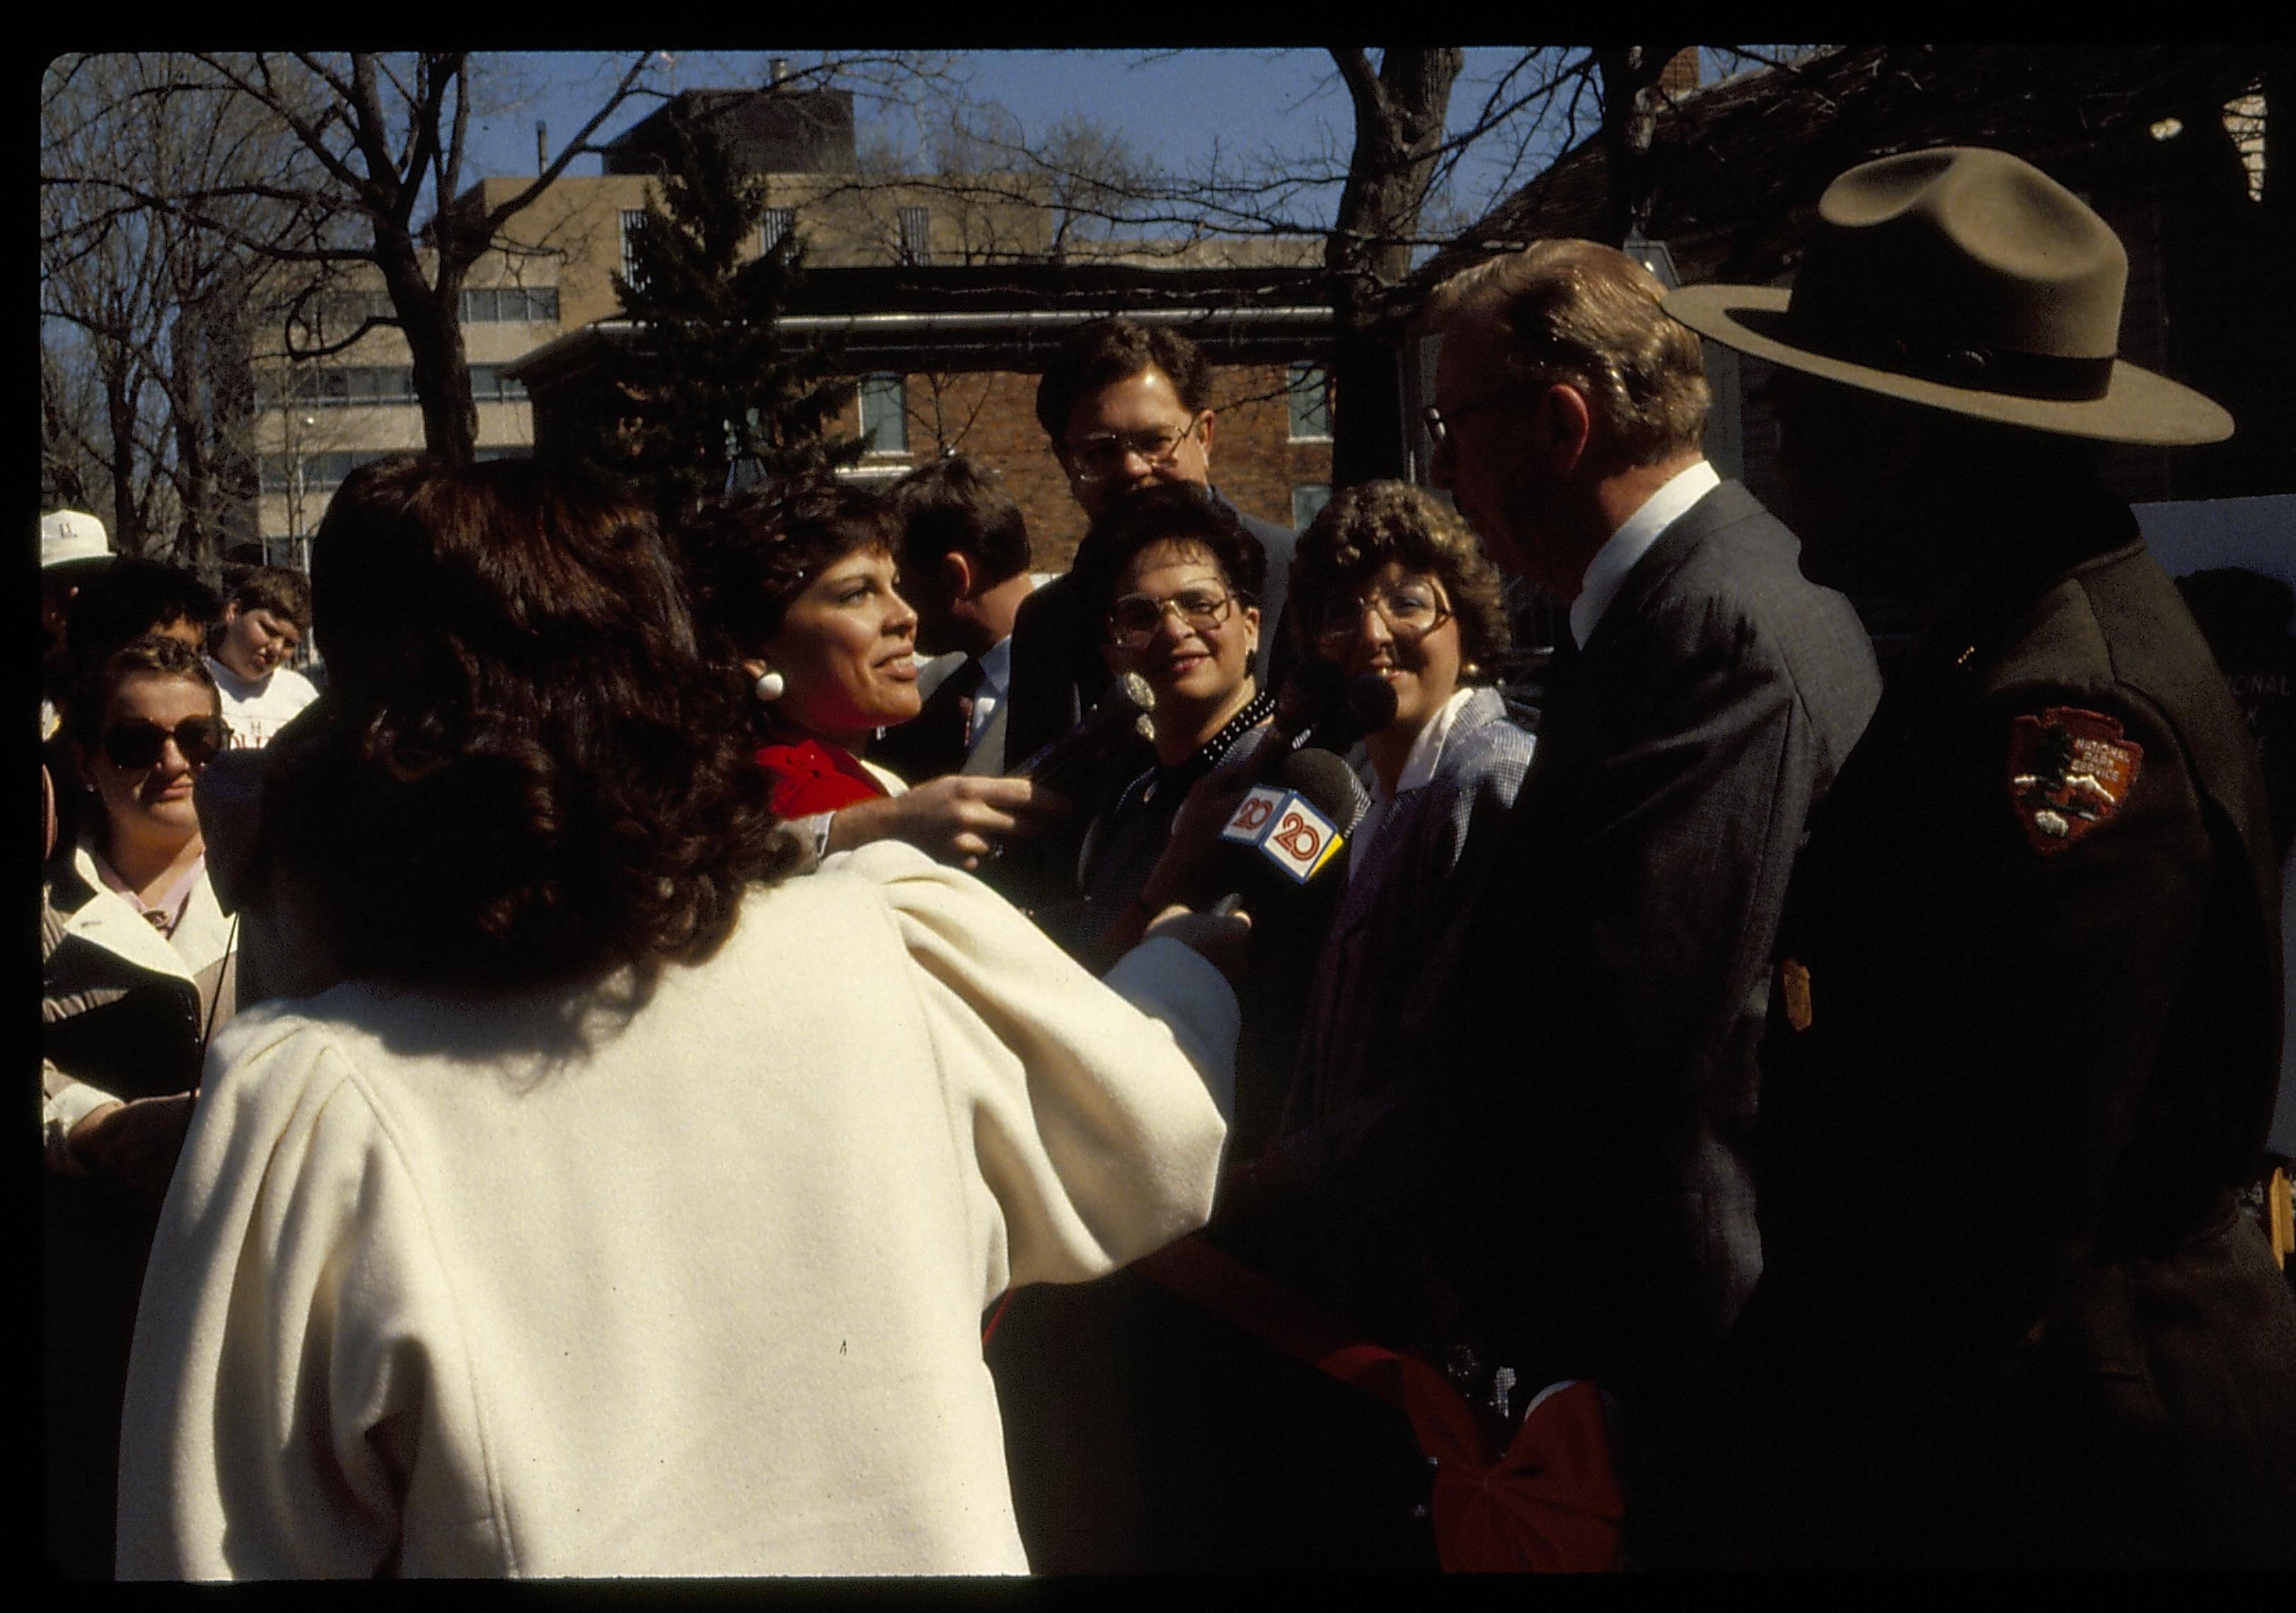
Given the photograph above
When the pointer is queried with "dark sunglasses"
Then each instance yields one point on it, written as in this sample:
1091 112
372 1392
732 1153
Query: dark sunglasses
137 742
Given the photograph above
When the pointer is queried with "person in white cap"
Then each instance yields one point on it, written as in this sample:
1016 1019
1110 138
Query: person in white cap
2025 1022
73 548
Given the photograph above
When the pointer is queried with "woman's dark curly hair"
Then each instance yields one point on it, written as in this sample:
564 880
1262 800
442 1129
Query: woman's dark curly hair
746 556
1362 528
1168 513
523 774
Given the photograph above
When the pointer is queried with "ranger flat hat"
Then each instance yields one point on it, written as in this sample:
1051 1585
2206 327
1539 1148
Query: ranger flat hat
1969 281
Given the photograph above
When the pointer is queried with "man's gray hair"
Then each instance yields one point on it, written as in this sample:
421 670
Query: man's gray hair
1586 315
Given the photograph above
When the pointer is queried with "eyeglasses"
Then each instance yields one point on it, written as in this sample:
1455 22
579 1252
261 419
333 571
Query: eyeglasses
1103 453
1439 429
1135 620
1411 611
137 742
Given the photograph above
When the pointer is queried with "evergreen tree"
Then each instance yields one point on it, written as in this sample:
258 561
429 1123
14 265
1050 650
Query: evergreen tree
706 382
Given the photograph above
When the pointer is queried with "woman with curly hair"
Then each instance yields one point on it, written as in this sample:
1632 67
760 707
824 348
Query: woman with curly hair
794 585
1386 580
630 1207
1389 580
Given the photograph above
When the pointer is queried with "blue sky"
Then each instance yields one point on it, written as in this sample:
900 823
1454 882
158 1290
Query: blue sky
1171 106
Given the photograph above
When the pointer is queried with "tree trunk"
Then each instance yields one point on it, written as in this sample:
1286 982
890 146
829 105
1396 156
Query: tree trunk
1629 82
430 315
1399 121
127 533
198 539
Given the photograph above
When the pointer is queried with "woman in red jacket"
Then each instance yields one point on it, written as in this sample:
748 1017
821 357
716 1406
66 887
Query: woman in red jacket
797 586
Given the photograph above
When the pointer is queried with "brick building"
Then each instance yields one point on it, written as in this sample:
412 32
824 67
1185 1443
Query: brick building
948 358
942 296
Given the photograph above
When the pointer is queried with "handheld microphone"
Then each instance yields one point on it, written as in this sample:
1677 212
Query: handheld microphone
1366 704
1311 693
1295 824
1119 714
1332 710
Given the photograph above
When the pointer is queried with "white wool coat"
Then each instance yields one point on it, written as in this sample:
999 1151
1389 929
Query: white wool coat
484 1288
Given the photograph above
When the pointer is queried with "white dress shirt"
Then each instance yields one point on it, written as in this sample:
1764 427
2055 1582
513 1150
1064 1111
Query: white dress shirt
1418 767
1631 542
995 676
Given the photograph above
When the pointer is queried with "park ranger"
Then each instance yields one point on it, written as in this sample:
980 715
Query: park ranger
2024 1034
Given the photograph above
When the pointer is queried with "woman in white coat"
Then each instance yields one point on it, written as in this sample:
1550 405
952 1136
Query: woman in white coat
632 1206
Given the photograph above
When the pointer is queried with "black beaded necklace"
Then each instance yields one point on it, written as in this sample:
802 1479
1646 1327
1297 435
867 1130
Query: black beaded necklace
1181 776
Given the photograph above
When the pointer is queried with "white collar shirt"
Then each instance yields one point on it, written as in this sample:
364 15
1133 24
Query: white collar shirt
1418 768
1633 540
996 677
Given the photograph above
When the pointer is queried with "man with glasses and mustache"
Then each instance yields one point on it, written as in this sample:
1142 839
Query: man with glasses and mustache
1576 1161
1126 406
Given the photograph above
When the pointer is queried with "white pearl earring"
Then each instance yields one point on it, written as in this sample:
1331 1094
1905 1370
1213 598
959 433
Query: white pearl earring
770 686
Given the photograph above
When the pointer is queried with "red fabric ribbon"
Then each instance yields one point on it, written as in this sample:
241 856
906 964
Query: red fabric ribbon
1548 1503
811 777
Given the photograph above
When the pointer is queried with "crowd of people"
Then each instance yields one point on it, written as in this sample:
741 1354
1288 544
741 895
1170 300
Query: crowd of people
691 1050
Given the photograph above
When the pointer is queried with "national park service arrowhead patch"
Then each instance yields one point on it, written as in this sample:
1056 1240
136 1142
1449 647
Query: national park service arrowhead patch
2070 770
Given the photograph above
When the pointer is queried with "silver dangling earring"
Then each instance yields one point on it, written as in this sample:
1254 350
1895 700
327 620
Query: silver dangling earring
769 687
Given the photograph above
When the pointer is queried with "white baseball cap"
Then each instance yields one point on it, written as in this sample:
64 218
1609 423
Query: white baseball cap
72 535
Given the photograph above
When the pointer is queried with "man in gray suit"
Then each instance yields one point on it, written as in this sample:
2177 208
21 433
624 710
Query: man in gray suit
1579 1144
964 568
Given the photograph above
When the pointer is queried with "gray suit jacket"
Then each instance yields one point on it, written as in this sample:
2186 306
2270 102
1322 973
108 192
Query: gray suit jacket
1578 1146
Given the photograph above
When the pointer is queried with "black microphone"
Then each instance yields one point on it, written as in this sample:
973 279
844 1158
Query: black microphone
1312 691
1366 704
1114 720
1286 832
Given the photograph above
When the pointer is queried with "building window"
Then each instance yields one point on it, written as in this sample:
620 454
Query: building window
488 384
334 315
884 413
1306 499
279 470
777 226
915 224
634 220
1310 393
511 305
338 385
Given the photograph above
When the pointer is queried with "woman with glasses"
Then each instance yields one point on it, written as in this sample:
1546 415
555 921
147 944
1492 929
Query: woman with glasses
1176 579
796 585
136 968
1390 581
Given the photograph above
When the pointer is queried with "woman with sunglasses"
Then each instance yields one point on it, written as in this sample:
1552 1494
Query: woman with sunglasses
1177 577
796 586
136 968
